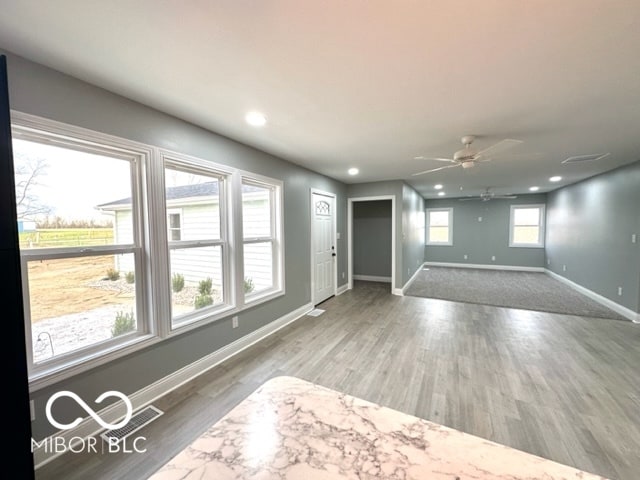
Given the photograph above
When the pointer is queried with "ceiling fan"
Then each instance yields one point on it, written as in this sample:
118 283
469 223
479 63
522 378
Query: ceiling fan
487 195
468 157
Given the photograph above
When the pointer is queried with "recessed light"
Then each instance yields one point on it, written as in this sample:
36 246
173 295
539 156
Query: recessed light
534 189
557 178
353 171
438 186
441 194
255 119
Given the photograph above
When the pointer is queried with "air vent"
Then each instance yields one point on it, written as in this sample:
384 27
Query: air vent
142 418
585 158
316 312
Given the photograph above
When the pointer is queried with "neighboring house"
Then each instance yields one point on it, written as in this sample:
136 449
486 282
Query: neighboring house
193 214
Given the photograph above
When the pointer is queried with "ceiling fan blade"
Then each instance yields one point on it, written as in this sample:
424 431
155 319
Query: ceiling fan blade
434 170
505 196
450 160
499 147
470 198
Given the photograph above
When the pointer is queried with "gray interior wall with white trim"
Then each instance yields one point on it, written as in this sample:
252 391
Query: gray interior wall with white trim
38 90
480 240
372 238
375 189
589 229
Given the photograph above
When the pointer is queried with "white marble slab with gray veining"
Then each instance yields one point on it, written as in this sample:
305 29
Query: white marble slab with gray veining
290 429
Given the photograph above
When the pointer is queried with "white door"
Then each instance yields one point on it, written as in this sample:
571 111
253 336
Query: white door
323 247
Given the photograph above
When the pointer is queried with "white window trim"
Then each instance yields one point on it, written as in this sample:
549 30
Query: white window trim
151 221
541 221
449 241
47 372
203 316
276 239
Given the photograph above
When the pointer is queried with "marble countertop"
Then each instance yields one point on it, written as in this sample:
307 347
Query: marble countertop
290 429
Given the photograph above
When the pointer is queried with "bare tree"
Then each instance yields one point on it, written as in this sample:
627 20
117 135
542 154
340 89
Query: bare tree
28 173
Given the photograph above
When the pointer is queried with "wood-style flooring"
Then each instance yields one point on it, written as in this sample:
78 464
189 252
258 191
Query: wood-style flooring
562 387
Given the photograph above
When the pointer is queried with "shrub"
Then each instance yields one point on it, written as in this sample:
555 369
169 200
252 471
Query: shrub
177 282
130 277
124 323
248 285
113 274
203 300
204 287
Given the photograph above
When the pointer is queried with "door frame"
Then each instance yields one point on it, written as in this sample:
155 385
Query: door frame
393 235
334 235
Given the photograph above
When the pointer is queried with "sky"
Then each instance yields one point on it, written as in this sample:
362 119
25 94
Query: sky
74 182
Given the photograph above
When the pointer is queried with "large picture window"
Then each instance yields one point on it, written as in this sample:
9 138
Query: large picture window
527 226
439 226
82 277
124 244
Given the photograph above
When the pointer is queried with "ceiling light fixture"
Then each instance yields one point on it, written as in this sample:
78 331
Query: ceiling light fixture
353 171
438 186
441 194
255 119
557 178
534 189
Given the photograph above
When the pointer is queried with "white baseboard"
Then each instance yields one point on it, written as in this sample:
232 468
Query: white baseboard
111 414
413 277
398 291
484 266
372 278
342 289
616 307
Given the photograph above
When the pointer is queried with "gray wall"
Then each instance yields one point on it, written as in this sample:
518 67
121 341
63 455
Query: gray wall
413 232
482 240
393 187
372 238
41 91
589 228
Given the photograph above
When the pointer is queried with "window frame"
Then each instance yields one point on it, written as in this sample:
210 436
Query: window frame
276 239
150 224
188 164
48 132
170 229
449 241
541 225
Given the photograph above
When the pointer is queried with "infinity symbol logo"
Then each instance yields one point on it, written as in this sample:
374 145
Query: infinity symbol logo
89 410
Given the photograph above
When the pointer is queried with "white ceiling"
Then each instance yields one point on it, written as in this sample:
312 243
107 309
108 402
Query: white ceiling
370 84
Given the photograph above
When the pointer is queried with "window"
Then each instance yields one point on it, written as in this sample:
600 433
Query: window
82 271
261 238
174 222
123 245
439 226
196 239
526 226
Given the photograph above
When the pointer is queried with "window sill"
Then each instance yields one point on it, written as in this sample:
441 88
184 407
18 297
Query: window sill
47 375
439 244
526 245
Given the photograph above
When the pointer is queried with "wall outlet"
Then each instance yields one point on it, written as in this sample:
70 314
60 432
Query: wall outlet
548 261
564 268
32 409
466 256
493 258
337 235
234 322
342 274
479 219
634 238
619 291
408 271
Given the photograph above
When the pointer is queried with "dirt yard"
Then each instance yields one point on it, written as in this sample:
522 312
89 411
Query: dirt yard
60 287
